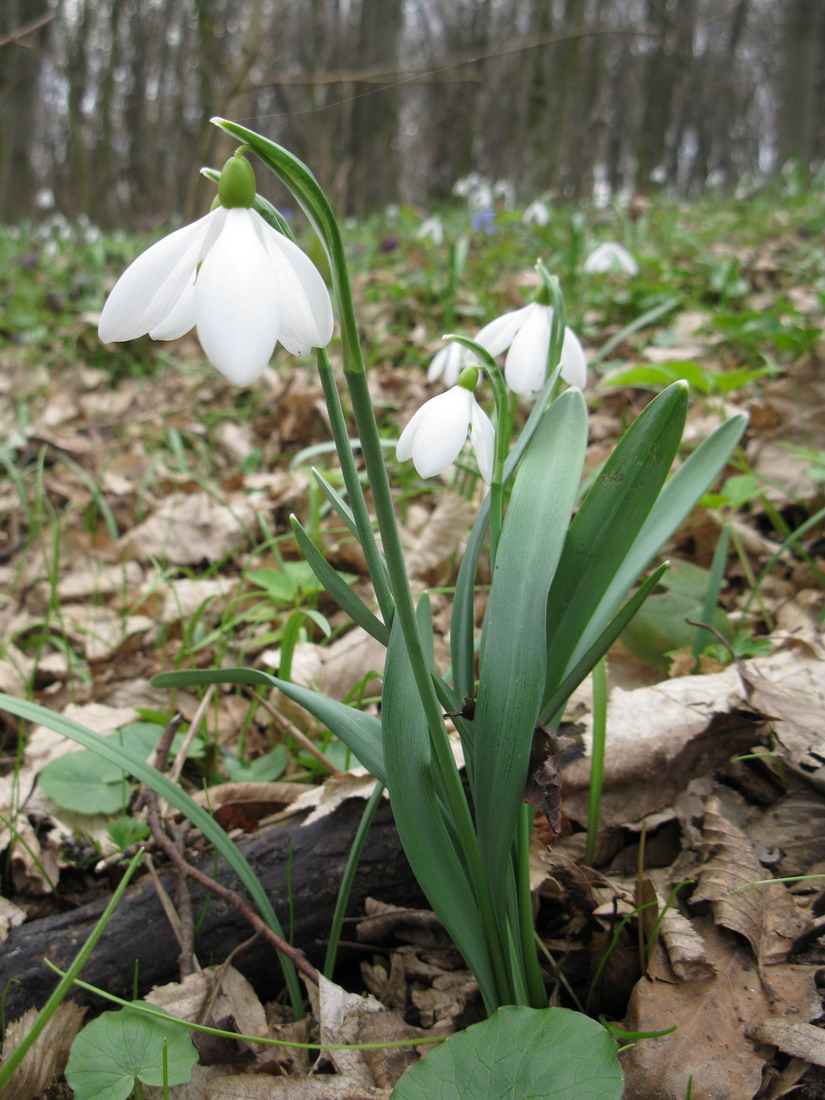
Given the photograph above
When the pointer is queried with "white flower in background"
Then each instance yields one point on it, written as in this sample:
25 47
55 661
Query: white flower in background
610 256
480 197
462 187
438 430
525 335
449 362
244 286
536 213
504 194
433 228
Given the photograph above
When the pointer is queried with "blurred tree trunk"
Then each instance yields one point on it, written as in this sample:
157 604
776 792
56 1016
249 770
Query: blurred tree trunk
373 181
77 194
803 21
658 147
19 66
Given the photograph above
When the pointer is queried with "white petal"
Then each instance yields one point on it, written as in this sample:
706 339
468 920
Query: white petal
181 317
236 301
449 363
573 360
437 432
306 309
497 336
404 447
149 288
483 439
525 367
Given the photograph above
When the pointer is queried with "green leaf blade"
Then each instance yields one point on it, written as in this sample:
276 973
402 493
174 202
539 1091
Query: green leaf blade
606 526
513 654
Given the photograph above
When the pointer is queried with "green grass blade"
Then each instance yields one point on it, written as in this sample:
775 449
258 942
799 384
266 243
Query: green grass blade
360 732
135 765
513 652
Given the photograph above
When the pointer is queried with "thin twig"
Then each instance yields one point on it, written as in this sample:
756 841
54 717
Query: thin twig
298 959
295 733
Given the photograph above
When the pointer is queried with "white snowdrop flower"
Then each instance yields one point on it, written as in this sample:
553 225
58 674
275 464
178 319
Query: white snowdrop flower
433 228
525 335
449 361
438 430
244 286
610 256
536 213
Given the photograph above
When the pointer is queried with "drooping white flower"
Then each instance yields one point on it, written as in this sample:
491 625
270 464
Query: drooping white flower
438 430
244 286
536 213
431 227
610 256
525 335
449 361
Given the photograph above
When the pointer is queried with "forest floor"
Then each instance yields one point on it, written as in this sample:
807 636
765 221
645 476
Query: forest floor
144 527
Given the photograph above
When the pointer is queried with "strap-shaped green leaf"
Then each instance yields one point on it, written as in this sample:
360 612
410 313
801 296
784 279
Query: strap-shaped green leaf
607 524
338 588
421 818
604 641
513 653
462 642
673 505
341 507
360 732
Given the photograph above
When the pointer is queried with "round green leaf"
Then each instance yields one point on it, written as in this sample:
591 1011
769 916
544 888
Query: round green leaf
532 1054
117 1048
85 782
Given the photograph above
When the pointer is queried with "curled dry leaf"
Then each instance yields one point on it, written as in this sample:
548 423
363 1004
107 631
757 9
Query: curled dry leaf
792 1037
348 1018
766 916
684 946
793 702
714 1018
47 1058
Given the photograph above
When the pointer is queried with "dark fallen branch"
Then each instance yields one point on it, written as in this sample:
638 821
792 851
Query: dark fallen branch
300 868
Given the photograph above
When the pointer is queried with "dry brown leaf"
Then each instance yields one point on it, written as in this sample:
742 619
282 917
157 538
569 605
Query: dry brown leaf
794 704
684 946
765 915
714 1018
223 990
190 528
10 917
429 558
48 1057
259 1087
99 579
100 631
349 1018
793 1037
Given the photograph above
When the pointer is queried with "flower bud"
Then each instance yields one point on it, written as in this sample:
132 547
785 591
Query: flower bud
237 183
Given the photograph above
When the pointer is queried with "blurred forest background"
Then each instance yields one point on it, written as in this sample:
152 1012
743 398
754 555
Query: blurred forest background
106 102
